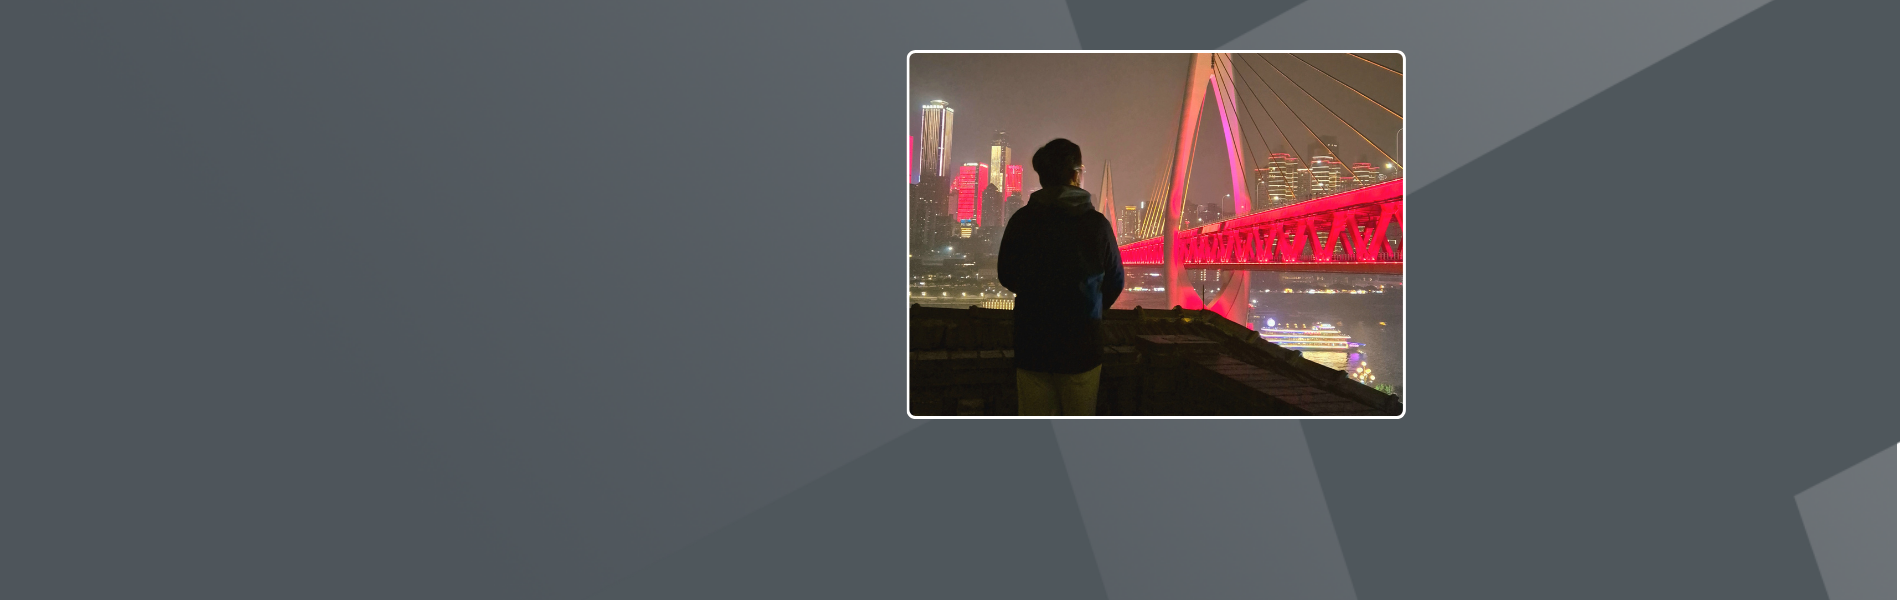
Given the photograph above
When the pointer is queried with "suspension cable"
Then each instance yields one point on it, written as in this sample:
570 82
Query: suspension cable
1246 144
1264 159
1255 123
1342 120
1368 60
1276 123
1343 84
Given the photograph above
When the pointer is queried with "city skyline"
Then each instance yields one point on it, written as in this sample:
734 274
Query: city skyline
1118 108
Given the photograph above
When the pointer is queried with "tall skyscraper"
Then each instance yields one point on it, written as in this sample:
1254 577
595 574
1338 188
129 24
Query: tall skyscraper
1012 181
1303 184
1327 174
934 153
1126 220
990 218
1278 183
1154 215
969 190
1327 145
999 161
930 213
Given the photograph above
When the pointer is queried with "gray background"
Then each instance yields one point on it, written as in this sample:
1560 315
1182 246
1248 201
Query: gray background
408 299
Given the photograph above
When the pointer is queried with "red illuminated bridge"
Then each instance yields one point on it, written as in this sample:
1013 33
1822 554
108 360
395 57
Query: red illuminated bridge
1344 233
1354 228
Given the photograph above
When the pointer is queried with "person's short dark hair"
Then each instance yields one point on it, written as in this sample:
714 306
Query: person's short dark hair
1057 161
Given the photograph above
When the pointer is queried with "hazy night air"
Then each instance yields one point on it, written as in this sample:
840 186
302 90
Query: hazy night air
1308 253
1122 109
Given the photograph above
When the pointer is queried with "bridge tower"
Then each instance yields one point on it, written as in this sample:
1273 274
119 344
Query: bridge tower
1207 71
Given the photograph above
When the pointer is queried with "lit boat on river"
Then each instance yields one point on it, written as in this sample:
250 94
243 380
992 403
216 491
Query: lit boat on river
1322 336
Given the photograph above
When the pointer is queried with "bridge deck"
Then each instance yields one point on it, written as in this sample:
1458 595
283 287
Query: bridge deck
1345 232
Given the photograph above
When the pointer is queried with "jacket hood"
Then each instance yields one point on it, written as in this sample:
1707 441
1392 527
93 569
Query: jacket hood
1069 199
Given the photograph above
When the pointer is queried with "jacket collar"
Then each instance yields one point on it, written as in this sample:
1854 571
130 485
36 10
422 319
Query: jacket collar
1065 197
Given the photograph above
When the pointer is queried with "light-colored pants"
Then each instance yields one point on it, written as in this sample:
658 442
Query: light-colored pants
1040 394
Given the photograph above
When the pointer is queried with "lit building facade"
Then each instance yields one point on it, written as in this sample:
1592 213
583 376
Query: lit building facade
1326 176
969 185
934 147
999 158
1153 219
1278 183
1012 180
1363 175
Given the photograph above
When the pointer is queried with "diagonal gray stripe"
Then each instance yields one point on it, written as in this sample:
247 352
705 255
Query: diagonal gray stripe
1549 453
1204 509
1177 25
763 445
1467 95
1850 523
949 510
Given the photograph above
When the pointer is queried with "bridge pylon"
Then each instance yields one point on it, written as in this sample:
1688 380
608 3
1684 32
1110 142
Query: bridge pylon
1207 71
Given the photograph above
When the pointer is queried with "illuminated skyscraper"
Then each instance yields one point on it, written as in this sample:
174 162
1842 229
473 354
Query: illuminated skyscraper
1327 172
934 150
1278 183
969 192
1013 181
999 158
1363 175
1127 220
1326 176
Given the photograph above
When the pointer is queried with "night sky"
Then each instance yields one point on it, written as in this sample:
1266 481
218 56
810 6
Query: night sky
1123 108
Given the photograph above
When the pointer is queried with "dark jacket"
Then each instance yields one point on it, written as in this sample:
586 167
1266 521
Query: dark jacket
1059 257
